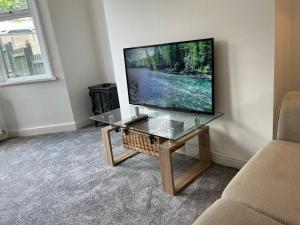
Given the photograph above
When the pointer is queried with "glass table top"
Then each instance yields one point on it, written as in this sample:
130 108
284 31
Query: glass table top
163 123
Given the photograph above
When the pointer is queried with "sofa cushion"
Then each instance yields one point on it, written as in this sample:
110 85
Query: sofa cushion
270 182
224 212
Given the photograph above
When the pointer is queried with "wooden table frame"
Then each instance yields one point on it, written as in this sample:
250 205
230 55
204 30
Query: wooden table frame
170 185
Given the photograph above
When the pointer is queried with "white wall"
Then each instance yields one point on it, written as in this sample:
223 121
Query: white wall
244 34
77 45
39 107
102 45
75 41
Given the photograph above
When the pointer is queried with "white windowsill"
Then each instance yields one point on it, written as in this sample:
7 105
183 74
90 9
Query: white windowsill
22 80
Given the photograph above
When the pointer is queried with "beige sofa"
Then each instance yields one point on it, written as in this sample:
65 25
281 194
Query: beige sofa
266 191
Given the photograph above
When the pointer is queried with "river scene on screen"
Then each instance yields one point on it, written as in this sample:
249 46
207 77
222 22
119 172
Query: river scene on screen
172 75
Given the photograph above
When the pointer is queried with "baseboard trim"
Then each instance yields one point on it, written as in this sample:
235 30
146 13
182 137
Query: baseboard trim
228 160
4 136
217 157
43 130
64 127
84 123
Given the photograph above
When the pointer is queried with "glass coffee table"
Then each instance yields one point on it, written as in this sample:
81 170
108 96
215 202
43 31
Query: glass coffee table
160 134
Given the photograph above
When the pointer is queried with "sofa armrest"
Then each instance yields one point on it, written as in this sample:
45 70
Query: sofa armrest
288 126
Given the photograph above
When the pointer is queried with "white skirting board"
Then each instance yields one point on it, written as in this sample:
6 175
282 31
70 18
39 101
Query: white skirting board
217 157
64 127
84 123
32 131
3 136
189 149
228 160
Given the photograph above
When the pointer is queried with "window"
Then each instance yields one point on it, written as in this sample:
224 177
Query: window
23 55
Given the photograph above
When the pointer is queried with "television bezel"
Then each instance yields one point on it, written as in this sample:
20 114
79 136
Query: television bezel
175 108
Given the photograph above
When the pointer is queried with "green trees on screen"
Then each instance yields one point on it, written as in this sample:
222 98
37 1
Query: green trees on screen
183 58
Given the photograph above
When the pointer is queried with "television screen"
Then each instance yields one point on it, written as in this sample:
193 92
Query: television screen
175 76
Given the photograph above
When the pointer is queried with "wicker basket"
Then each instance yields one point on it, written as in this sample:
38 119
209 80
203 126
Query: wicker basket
140 142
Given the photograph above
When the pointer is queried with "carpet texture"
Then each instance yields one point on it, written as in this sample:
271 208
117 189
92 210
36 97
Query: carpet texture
63 179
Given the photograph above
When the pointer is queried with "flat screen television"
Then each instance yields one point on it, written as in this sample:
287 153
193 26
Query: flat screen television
177 76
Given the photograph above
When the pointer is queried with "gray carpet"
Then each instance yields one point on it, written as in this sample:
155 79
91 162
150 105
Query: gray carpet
63 179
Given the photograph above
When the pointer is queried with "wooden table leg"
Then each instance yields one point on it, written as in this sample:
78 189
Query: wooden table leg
166 170
166 149
204 146
109 158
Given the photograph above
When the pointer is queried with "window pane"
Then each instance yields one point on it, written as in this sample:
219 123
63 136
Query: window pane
14 5
20 49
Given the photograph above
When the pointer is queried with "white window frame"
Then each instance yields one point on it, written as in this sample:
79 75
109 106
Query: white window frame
33 12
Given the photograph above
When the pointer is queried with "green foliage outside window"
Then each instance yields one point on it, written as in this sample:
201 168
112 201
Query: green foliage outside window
6 5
